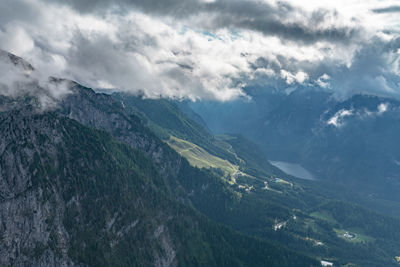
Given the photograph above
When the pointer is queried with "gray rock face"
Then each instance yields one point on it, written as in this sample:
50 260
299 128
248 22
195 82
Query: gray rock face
31 231
32 206
15 60
41 186
26 234
102 112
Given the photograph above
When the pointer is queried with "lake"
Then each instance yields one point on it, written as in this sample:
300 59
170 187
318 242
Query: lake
293 169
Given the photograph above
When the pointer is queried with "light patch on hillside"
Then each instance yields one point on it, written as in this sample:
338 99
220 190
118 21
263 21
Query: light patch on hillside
200 158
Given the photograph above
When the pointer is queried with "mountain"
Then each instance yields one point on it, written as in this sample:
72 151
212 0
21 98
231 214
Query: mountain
166 119
313 215
85 183
73 195
120 180
17 61
350 142
355 144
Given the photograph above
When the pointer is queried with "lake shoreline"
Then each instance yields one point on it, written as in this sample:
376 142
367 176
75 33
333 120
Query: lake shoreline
293 169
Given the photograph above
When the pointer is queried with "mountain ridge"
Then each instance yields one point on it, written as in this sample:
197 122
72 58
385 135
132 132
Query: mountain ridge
103 190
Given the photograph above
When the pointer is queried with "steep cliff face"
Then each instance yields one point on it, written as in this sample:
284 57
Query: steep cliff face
101 111
30 217
74 196
71 195
205 191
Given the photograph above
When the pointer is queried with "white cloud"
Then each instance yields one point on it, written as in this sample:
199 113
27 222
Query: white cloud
203 57
382 108
337 120
323 81
290 78
20 79
16 40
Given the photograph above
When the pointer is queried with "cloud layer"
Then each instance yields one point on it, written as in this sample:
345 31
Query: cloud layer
208 49
20 79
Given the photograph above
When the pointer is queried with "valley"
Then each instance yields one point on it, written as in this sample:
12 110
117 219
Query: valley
223 181
302 214
108 177
199 133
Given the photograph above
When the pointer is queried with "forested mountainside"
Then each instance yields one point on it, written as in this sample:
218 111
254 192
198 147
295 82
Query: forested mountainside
86 184
120 180
185 133
309 216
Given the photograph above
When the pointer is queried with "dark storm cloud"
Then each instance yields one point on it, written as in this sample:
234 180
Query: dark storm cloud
390 9
178 8
17 10
233 14
270 20
291 31
373 70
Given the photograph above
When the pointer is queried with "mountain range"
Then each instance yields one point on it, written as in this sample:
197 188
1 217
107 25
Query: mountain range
350 142
97 179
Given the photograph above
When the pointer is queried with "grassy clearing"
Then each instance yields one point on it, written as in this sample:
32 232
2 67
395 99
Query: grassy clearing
322 215
352 236
281 181
200 158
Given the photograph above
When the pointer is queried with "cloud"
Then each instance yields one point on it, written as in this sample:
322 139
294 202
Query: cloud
130 52
323 81
382 108
374 69
337 120
277 19
19 79
200 49
390 9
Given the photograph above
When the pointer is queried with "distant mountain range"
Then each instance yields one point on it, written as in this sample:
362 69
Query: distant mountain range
351 142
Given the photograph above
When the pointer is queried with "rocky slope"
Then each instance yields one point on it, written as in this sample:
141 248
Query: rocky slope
86 184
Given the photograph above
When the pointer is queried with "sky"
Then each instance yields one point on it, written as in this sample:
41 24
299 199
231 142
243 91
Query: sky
209 49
